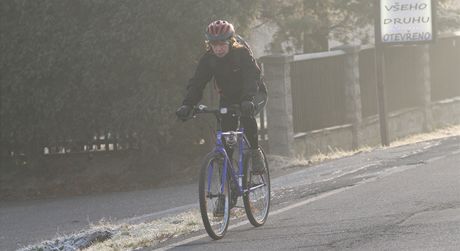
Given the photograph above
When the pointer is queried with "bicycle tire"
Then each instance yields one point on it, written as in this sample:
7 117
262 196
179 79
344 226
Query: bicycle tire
256 215
215 225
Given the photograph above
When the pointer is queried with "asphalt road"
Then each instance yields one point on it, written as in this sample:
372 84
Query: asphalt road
405 196
410 201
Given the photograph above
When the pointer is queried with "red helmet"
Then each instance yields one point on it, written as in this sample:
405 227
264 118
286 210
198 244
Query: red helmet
219 30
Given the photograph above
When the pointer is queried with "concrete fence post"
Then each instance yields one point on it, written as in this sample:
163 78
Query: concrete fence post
352 92
280 126
424 83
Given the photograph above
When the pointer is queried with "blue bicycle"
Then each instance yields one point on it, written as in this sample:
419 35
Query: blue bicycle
222 182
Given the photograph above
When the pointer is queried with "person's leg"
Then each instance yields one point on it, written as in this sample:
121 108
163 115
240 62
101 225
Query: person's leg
251 131
250 124
250 128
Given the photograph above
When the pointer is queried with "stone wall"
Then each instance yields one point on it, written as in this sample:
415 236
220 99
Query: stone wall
401 124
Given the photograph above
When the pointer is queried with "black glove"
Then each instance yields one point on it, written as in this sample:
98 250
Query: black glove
247 108
183 112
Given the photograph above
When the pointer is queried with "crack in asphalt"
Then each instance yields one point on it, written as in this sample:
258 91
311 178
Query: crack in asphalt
436 208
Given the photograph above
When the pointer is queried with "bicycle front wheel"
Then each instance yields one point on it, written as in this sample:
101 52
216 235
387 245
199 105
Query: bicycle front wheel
257 192
214 196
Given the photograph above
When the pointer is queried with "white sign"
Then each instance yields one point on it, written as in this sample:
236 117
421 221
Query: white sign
404 21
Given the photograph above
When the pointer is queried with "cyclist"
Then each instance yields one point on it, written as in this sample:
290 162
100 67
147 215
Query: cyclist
238 81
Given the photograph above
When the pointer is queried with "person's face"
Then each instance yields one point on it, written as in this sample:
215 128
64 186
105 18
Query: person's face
220 48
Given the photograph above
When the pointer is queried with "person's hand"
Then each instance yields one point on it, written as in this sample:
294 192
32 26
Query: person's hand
247 108
183 112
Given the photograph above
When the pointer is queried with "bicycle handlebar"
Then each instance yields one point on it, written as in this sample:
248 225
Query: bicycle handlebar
234 110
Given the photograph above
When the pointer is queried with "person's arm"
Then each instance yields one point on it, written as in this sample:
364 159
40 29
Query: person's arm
198 82
251 75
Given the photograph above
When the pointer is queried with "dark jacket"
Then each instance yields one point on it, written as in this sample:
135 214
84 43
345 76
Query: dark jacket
237 76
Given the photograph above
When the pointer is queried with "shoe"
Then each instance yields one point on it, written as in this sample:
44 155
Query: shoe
219 206
258 161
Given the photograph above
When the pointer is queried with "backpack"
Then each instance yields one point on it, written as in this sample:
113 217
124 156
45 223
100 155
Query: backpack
243 42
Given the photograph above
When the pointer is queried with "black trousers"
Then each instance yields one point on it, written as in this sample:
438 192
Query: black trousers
230 123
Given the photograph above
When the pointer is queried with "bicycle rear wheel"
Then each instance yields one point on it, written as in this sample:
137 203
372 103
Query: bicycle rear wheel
214 196
257 192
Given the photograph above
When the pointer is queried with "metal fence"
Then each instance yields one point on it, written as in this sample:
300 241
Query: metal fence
400 79
105 141
318 92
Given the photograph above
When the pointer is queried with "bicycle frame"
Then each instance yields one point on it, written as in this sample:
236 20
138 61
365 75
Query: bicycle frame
236 177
